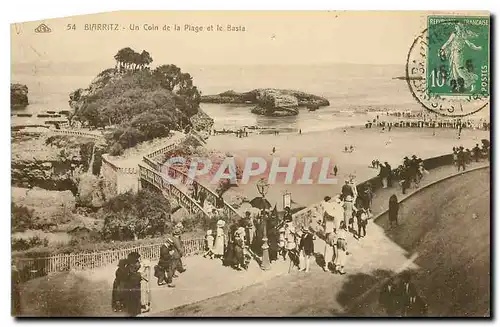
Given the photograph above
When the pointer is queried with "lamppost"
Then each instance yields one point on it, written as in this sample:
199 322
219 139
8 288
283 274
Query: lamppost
263 187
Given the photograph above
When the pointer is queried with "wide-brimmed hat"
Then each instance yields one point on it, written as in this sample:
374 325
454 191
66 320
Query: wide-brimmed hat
209 232
221 223
327 198
348 198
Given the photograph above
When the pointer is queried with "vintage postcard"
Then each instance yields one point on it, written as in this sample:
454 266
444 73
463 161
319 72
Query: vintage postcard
251 164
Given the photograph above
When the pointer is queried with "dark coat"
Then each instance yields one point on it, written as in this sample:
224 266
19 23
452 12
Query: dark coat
347 190
166 255
133 290
391 298
117 296
393 208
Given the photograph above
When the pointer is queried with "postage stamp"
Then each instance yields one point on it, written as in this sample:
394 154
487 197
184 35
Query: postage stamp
447 68
458 55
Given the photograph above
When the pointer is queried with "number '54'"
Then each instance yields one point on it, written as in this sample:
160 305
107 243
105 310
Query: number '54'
71 27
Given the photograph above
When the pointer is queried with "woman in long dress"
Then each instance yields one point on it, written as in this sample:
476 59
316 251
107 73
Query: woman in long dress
219 239
133 285
453 49
117 296
229 255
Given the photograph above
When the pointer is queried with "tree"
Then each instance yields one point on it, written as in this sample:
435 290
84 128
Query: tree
185 82
145 59
124 57
22 218
168 76
130 137
152 125
90 114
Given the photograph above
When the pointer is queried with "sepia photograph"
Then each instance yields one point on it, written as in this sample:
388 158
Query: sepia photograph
251 164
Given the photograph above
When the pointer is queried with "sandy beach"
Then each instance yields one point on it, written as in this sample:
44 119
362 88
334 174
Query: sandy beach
369 144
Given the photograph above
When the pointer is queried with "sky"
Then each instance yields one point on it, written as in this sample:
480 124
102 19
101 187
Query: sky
269 38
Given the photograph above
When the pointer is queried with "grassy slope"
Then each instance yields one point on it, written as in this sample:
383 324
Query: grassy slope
453 247
66 295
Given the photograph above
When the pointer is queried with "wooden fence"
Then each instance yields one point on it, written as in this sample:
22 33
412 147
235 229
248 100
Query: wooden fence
36 267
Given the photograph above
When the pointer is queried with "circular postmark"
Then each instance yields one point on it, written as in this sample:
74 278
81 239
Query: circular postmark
447 67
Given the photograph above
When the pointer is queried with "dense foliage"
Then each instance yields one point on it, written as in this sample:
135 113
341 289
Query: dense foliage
131 216
140 103
21 244
22 218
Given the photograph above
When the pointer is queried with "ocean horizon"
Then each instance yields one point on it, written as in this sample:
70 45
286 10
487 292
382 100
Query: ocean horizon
352 89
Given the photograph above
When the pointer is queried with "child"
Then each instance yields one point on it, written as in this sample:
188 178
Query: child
209 245
307 246
362 217
340 259
281 242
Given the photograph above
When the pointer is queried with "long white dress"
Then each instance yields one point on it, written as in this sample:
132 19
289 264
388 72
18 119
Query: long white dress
219 242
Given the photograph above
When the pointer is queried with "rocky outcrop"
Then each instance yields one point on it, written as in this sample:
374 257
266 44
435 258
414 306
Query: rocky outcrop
51 162
202 123
18 95
270 102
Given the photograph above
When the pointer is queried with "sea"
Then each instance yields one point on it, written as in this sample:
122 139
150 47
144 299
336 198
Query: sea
356 93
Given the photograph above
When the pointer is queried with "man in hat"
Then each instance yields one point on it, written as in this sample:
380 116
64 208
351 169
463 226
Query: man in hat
331 215
248 224
388 170
306 245
389 298
349 209
341 257
167 263
346 190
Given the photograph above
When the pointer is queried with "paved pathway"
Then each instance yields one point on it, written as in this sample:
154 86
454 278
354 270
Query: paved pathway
371 259
206 278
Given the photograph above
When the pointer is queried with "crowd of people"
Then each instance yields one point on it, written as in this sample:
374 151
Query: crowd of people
419 121
408 174
463 157
243 240
236 243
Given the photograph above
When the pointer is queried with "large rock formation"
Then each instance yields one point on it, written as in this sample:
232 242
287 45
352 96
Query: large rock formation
18 95
53 206
51 162
270 102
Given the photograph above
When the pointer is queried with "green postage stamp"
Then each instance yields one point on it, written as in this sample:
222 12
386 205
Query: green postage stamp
458 55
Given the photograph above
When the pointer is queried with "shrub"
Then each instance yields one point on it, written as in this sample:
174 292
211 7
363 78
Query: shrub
131 216
116 149
21 244
22 218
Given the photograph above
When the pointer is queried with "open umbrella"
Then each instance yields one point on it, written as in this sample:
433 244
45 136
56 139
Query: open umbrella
260 203
486 143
